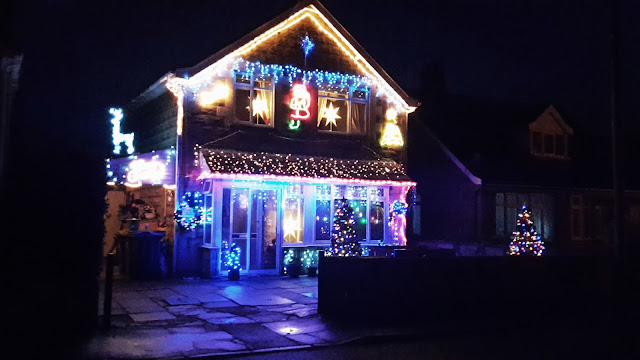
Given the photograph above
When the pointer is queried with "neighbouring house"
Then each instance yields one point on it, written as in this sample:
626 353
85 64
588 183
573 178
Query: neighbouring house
477 161
253 146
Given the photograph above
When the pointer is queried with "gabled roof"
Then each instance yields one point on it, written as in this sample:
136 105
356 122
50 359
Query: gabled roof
550 121
490 140
325 22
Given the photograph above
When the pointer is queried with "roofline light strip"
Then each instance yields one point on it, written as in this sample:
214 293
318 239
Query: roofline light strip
311 12
316 180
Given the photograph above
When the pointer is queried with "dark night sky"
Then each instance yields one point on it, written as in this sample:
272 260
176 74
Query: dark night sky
82 59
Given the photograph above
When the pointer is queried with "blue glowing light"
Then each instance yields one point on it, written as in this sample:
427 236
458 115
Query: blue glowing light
307 45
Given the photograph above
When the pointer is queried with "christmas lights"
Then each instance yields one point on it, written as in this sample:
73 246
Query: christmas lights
525 240
398 221
330 114
343 240
141 170
260 107
310 258
288 258
154 168
307 45
291 227
280 167
190 212
300 102
220 91
232 256
391 135
119 137
324 25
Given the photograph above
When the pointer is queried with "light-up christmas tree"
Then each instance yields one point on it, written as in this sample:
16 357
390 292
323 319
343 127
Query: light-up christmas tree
525 240
343 239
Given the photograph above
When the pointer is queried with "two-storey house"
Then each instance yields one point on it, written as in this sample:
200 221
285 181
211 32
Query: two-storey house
267 134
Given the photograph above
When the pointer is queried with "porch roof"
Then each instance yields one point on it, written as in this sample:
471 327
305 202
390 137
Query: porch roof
300 166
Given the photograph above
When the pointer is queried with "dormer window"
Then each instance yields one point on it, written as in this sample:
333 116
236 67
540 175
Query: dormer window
549 144
549 135
253 96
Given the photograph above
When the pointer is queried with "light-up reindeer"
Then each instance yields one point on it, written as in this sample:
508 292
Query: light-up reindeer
118 137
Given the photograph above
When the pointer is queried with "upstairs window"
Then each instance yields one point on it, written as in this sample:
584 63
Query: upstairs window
549 144
342 110
253 99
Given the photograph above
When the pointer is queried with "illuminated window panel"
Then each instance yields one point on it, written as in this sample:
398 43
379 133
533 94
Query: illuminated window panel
376 220
292 223
324 220
340 110
253 99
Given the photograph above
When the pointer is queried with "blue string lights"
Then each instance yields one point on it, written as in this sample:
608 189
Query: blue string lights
232 256
190 213
291 73
307 45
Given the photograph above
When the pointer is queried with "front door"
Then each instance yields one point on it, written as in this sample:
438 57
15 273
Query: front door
253 226
264 229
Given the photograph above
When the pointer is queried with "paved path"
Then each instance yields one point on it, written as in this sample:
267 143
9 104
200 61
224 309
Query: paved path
186 318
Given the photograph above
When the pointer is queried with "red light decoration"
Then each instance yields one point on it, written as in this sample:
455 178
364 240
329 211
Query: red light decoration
300 102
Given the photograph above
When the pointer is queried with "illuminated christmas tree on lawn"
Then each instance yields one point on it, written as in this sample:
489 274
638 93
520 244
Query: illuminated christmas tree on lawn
525 240
343 239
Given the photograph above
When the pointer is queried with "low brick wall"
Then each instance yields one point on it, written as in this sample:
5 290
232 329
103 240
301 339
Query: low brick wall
459 292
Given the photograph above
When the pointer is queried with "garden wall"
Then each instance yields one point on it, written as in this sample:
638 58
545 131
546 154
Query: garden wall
460 292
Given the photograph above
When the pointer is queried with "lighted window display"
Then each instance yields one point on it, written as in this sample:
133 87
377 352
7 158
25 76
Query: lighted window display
340 110
377 216
376 220
359 217
292 223
253 99
324 220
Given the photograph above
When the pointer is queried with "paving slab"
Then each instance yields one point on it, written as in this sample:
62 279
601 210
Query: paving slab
144 309
306 339
152 316
208 297
296 297
219 304
181 300
257 336
159 293
226 345
249 297
296 326
187 330
230 320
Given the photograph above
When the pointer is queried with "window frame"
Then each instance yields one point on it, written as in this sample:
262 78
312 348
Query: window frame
350 100
252 90
555 152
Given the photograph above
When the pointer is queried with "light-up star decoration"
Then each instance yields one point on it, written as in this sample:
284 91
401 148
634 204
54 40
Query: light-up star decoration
119 137
330 114
307 45
290 226
261 108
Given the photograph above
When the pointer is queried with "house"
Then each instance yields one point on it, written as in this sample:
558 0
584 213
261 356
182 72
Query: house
264 137
477 161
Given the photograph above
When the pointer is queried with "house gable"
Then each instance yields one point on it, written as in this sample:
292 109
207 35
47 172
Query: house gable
549 135
550 122
340 52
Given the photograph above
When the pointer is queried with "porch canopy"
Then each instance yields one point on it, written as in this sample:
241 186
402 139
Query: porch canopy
285 166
